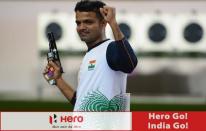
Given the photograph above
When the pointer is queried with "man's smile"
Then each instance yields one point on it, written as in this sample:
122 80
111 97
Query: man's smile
83 33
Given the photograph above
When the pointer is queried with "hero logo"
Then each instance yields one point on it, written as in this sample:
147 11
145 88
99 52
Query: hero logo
53 119
63 119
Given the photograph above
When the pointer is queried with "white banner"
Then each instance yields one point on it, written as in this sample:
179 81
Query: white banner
66 121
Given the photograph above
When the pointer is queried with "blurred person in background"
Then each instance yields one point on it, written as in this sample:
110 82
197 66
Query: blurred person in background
103 72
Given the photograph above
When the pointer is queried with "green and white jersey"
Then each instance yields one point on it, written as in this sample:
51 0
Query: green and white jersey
99 87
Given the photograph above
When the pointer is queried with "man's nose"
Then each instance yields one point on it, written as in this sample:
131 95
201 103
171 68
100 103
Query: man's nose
82 26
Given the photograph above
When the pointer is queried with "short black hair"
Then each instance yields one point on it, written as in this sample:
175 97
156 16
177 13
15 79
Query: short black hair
90 5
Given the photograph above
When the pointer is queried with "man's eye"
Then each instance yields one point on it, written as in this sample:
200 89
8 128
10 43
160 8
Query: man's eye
89 22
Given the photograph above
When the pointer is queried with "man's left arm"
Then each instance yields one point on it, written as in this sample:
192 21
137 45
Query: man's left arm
120 55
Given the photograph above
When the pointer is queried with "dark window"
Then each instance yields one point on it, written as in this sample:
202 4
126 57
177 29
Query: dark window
157 32
193 32
126 30
56 29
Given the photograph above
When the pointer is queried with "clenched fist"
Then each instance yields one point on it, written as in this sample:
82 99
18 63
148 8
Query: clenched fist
109 14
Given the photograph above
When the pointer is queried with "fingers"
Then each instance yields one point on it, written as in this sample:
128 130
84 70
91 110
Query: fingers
46 76
103 13
46 69
51 66
52 71
106 9
108 13
54 65
101 10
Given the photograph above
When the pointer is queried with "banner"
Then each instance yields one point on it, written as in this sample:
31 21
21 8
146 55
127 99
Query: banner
108 121
168 121
20 121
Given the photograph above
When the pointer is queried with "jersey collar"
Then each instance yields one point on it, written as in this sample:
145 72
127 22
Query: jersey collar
97 45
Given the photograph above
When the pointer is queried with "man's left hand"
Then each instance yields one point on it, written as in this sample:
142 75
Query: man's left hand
109 14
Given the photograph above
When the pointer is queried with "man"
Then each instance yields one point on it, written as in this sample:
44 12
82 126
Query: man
103 72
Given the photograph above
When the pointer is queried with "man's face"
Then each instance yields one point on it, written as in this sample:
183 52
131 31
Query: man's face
89 27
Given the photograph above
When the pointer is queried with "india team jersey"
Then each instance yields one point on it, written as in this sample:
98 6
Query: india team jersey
99 87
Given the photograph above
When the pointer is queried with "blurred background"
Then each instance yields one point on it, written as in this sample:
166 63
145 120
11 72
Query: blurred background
168 36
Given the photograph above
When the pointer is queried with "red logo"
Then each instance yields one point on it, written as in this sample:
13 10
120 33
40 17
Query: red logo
65 119
53 119
71 119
